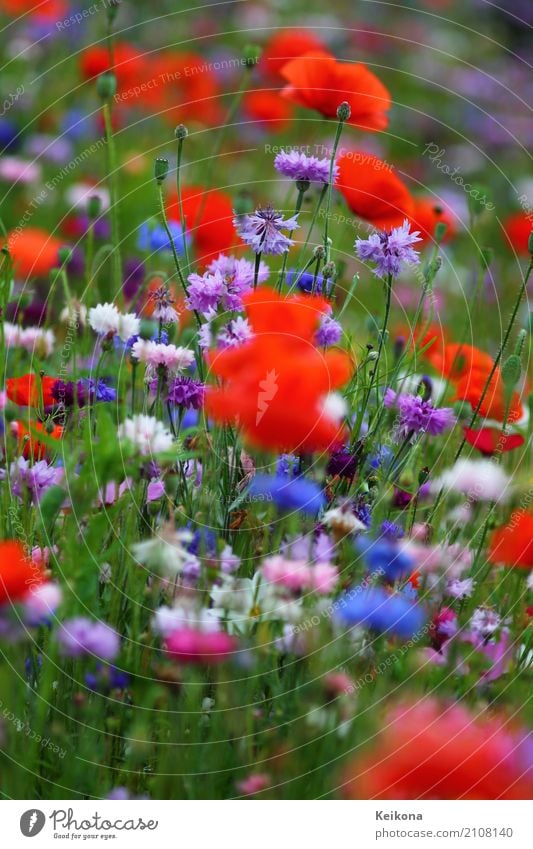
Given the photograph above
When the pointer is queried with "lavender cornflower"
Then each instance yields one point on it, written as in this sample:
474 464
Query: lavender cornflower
389 249
417 415
187 393
35 479
205 292
298 166
81 636
164 311
236 332
238 275
262 230
329 332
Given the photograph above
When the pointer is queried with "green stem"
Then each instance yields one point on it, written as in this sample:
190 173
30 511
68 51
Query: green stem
113 191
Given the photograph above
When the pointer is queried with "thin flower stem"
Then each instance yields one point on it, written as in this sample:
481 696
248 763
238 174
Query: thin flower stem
338 133
180 204
113 190
297 208
256 269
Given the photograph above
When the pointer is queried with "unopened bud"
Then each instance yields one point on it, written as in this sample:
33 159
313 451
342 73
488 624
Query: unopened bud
251 55
160 169
329 270
319 252
344 111
94 205
181 131
106 85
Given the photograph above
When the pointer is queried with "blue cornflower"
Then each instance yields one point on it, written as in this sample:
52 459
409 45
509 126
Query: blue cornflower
153 237
289 493
377 609
306 281
385 557
391 530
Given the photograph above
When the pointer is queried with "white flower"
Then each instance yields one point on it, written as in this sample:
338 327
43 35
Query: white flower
104 319
334 406
74 313
128 326
342 520
79 194
530 581
148 434
165 554
35 340
166 619
243 602
479 480
157 354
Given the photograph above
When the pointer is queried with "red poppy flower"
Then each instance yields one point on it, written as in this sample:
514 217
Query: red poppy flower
490 440
51 10
29 442
268 109
17 573
494 405
372 190
429 750
34 251
512 544
287 44
130 69
31 390
427 214
209 220
181 86
518 229
276 384
319 82
456 361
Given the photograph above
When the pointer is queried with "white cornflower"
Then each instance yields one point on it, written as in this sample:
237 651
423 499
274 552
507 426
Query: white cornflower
104 319
128 325
146 433
479 480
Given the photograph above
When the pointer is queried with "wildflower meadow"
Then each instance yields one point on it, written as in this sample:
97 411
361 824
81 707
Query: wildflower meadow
266 486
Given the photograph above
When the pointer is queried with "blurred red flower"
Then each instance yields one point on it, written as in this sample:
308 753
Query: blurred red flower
29 442
268 109
287 44
276 385
372 190
31 390
518 229
34 251
51 10
427 214
512 544
17 572
319 82
490 440
209 219
430 750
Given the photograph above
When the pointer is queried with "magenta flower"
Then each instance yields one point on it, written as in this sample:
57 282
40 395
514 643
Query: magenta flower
189 645
417 415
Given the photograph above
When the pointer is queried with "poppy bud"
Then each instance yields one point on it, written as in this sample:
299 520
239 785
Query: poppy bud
106 85
160 169
251 55
94 205
344 111
440 231
181 131
511 371
329 270
65 255
319 252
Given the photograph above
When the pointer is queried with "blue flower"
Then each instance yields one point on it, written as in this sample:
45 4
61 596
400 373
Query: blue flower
289 493
153 237
376 609
385 557
305 281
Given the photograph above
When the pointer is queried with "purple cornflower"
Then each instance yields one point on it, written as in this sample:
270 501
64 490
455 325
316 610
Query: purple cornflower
205 292
329 332
86 392
262 230
81 636
187 393
298 166
388 250
236 332
417 415
238 275
35 479
343 463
